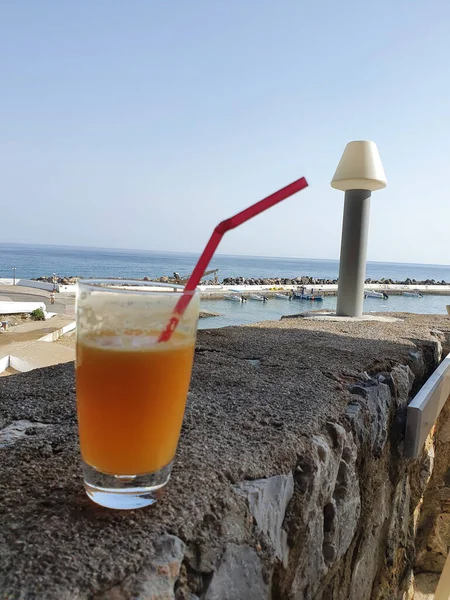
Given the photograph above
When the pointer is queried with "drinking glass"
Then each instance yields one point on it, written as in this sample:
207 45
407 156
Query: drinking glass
131 389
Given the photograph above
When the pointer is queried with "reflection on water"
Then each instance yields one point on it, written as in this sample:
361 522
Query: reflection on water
234 313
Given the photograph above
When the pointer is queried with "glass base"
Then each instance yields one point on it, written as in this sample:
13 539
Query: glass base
125 492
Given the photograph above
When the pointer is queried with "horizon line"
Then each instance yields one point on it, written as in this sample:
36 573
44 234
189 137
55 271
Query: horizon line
217 254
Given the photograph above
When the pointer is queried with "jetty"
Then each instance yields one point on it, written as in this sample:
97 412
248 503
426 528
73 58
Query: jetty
270 287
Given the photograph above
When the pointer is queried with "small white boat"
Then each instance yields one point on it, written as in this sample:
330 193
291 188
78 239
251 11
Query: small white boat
412 294
233 298
372 294
283 296
257 298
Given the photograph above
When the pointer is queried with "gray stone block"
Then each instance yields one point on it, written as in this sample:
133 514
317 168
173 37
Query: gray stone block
371 424
330 508
238 577
268 500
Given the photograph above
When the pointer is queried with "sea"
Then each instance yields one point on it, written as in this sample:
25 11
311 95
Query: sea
29 261
38 260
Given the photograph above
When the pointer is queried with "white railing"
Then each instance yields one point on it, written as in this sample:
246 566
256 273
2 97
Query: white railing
14 308
425 407
15 363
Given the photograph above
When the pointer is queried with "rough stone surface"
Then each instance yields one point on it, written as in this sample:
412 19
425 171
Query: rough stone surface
425 585
268 500
368 556
377 400
433 538
155 579
328 504
16 430
238 577
324 316
402 382
351 520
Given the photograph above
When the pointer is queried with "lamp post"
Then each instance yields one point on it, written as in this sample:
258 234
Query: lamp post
14 275
359 173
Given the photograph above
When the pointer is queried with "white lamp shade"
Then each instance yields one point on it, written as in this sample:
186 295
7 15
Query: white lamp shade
360 168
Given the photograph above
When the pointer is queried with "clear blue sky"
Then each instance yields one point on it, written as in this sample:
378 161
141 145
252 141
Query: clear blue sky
142 124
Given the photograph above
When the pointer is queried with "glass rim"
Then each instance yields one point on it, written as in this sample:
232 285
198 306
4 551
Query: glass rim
134 286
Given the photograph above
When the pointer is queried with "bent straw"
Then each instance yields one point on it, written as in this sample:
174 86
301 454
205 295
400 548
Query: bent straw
214 240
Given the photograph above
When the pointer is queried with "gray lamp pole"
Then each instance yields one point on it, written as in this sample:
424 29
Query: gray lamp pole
358 174
14 273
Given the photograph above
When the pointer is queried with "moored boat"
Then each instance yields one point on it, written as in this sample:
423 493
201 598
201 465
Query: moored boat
310 297
373 294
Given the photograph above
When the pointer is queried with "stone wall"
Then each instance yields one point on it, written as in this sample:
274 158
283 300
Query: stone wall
368 495
289 481
433 532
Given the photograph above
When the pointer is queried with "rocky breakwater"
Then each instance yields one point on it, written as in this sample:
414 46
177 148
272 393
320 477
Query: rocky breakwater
289 481
57 279
275 281
308 280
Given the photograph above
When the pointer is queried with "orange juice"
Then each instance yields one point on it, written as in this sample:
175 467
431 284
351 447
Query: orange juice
131 396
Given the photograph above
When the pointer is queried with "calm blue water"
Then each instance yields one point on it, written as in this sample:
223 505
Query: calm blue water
36 260
233 313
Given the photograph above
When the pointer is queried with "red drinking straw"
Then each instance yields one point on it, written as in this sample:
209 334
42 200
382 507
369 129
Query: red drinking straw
214 241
